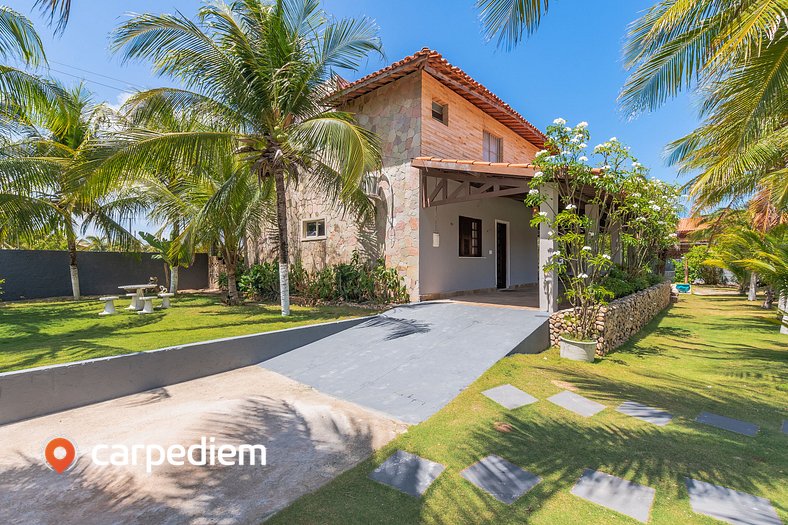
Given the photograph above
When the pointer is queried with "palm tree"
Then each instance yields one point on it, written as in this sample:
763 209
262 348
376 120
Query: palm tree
21 91
734 53
59 11
45 178
510 20
260 72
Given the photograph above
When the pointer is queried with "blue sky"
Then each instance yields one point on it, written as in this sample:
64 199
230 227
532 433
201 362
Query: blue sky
570 68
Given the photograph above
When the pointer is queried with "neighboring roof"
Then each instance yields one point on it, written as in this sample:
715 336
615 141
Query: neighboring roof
480 166
452 77
689 224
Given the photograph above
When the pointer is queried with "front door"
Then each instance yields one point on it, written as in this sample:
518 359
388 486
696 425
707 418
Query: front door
501 254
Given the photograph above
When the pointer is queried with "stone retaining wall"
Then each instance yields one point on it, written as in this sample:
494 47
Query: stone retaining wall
620 319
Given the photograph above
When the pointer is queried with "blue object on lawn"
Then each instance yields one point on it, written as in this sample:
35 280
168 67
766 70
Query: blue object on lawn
684 288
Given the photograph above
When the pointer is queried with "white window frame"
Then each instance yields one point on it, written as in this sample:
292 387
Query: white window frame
487 138
305 238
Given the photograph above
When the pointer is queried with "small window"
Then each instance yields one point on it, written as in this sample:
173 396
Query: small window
440 112
470 237
315 229
493 148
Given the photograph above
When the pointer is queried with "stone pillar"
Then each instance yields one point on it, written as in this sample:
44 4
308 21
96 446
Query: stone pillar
548 281
592 212
615 243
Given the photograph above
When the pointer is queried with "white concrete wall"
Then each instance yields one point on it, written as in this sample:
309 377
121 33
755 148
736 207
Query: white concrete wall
442 270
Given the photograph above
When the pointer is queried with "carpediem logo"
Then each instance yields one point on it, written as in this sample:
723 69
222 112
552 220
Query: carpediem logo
61 454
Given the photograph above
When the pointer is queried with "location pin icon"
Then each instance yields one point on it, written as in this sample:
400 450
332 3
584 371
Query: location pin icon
60 454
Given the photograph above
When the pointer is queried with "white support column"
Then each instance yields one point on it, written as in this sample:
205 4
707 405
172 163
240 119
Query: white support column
548 282
615 243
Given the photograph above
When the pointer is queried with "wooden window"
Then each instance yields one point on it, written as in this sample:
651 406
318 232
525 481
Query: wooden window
492 148
440 112
470 237
314 229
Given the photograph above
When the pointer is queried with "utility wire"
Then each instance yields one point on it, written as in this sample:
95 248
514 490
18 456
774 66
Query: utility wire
88 80
97 74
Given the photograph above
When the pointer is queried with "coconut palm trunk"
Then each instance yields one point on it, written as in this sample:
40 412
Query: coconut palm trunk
72 265
174 270
231 266
753 292
284 256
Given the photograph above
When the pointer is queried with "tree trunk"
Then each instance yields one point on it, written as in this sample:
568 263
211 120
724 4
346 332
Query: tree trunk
783 307
232 285
174 270
751 295
72 253
284 258
768 300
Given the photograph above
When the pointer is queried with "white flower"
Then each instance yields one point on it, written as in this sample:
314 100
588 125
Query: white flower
566 152
538 174
635 164
583 145
586 248
570 206
635 205
550 158
574 140
556 254
591 234
673 235
596 176
583 124
606 167
543 214
559 121
598 147
541 152
533 192
583 276
606 256
613 139
583 158
568 129
636 194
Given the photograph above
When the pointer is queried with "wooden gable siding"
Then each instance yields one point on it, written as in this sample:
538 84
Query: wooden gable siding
463 137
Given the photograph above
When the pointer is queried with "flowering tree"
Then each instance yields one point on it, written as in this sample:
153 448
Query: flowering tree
590 204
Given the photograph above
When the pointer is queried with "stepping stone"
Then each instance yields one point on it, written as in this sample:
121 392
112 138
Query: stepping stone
503 480
646 413
730 505
615 493
407 473
727 423
509 396
576 403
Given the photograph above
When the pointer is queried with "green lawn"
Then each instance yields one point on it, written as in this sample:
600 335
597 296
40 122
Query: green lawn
720 354
38 333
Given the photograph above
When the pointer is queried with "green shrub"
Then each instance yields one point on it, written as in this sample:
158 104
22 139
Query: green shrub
2 281
356 282
696 256
621 283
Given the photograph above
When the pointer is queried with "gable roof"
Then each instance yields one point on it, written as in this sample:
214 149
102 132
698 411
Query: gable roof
452 77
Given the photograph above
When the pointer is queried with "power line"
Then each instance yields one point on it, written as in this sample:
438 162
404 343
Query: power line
88 80
98 74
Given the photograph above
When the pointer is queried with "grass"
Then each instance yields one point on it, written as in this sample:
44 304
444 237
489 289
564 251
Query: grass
719 354
37 333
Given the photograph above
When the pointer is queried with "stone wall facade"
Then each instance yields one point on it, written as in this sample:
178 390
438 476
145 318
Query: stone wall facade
620 319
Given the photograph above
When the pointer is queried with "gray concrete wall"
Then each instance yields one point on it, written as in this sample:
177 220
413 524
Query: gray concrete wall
32 274
443 270
31 393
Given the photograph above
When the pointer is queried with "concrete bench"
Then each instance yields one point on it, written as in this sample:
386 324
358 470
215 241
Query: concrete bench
109 304
134 305
165 299
148 308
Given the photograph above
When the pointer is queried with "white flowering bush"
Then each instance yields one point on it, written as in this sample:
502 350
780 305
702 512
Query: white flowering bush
643 210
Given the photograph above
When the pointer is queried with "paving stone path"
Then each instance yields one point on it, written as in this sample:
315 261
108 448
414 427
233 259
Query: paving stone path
503 480
576 403
645 413
728 423
730 505
509 396
407 473
615 493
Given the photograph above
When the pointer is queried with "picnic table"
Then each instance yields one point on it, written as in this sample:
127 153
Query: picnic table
139 293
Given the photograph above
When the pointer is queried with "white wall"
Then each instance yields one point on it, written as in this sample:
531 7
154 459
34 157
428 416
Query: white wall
443 270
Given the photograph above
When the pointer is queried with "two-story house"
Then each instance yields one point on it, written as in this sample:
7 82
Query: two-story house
449 197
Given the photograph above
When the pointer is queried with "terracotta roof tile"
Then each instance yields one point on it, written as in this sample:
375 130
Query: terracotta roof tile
453 77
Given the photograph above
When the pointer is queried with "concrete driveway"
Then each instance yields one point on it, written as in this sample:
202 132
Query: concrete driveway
412 360
310 438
